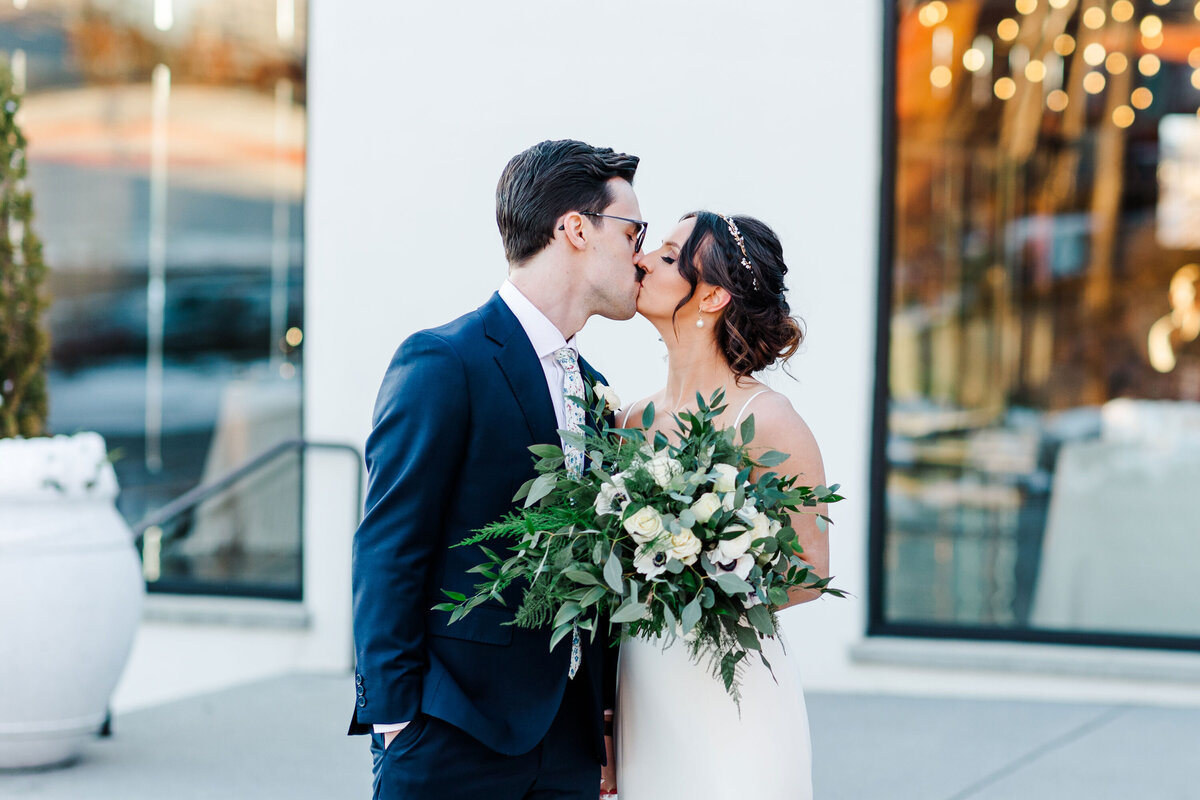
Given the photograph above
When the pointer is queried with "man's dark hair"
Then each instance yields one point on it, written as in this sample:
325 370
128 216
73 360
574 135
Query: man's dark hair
546 181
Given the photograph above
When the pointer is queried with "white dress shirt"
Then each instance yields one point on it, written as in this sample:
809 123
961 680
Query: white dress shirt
546 340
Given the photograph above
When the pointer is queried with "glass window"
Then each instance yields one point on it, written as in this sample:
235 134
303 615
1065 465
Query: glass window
167 152
1042 408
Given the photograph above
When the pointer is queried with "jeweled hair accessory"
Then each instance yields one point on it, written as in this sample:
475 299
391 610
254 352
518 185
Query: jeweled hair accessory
741 243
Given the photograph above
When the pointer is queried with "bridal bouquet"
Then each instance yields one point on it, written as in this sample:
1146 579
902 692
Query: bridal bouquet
667 538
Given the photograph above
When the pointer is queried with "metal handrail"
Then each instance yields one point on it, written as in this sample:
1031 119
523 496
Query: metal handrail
194 497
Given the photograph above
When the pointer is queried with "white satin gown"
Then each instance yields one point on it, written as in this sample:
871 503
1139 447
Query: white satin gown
679 734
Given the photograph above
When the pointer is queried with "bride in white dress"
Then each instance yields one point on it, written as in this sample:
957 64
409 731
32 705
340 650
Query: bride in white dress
715 292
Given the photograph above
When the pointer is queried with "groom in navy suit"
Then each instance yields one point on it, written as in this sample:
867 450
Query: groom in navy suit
480 709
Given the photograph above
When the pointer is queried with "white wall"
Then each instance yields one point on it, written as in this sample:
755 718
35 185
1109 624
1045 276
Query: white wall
765 108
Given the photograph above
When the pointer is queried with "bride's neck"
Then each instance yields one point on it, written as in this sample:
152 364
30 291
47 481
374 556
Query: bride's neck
694 364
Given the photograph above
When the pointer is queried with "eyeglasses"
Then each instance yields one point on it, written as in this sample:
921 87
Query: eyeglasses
641 227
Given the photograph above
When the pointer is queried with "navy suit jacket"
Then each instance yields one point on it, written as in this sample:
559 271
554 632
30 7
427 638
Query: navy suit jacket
458 409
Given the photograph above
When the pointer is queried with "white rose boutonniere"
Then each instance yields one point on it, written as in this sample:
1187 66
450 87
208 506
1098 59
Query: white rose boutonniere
612 400
644 525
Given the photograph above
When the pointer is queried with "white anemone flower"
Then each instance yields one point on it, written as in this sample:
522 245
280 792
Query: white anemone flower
650 561
739 566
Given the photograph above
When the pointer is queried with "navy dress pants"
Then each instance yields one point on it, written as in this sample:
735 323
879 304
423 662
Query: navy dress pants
433 760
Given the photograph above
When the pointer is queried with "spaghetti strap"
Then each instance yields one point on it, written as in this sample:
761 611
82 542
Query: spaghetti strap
628 411
746 405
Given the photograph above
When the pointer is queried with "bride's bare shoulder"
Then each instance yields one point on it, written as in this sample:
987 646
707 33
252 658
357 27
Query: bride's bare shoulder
778 426
631 415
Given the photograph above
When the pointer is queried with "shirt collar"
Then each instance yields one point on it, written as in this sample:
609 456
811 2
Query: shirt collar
543 335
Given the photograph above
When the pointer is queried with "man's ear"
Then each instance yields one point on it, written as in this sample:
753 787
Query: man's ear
571 224
713 299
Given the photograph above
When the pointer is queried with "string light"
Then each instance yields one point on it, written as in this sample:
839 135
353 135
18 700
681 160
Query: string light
1122 11
1035 71
1150 26
1116 63
1123 116
1196 78
1161 2
1152 42
1008 29
1005 88
1094 18
1094 54
1057 100
1026 6
1141 98
1059 3
1149 65
1064 44
940 76
974 59
1094 83
933 13
1194 58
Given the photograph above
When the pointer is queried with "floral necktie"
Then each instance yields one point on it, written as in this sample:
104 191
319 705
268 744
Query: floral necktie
573 456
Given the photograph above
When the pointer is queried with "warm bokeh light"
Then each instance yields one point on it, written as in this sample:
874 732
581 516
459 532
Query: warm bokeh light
1116 63
1094 83
974 59
932 13
1059 3
1152 42
1123 116
1196 14
1094 18
1008 29
1149 65
1150 26
294 337
940 76
1141 98
1035 71
1122 11
1005 88
1094 54
1161 2
1064 44
1056 100
1196 78
1194 58
1026 6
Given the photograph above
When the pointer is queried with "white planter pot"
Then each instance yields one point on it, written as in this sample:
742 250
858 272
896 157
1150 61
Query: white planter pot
71 594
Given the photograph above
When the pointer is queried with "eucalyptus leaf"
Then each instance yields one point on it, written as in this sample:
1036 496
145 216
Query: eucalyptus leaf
546 450
541 487
630 611
747 638
731 584
566 613
760 618
593 594
581 576
559 633
772 458
690 615
612 572
747 430
648 415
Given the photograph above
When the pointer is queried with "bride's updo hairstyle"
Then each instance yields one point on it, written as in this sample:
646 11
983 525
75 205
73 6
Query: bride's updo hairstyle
744 257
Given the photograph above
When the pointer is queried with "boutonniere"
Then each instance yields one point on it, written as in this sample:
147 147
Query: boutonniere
609 395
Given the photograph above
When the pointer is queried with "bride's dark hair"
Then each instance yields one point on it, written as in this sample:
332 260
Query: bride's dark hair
756 328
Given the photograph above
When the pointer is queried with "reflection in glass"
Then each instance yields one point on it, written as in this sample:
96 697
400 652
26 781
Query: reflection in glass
1044 335
167 145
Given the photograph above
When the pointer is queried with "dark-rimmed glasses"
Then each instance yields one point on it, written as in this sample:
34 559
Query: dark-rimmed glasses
641 227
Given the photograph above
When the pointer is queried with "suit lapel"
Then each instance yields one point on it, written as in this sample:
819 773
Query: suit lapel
521 368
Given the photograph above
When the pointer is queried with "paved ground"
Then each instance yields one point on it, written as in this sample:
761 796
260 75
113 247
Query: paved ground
283 738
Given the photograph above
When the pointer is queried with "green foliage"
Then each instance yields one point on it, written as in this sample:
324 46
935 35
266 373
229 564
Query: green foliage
662 537
24 345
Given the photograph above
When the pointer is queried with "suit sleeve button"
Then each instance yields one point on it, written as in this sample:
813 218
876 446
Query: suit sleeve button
362 702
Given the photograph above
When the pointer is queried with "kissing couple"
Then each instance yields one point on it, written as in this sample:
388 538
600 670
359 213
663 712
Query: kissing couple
487 710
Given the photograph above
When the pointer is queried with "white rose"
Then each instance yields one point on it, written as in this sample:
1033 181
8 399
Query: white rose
663 468
726 480
611 401
706 506
739 566
684 546
644 525
649 561
729 549
611 498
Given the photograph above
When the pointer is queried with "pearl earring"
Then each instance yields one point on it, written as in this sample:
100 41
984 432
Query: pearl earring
700 321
